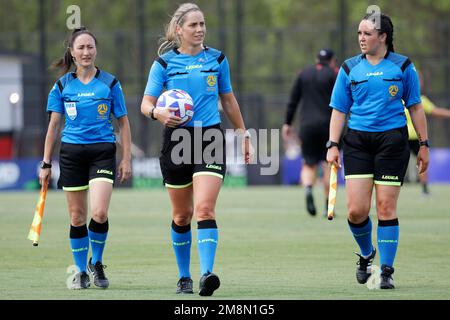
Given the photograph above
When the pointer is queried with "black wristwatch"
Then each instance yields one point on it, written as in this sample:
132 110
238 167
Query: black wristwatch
151 113
45 165
331 144
424 143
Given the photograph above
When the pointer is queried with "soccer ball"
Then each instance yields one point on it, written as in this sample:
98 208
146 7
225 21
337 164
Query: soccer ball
176 98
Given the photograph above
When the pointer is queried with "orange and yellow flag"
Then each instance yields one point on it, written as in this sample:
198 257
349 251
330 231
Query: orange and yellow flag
333 192
35 229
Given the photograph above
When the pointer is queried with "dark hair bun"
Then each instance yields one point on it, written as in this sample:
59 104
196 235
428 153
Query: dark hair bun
79 29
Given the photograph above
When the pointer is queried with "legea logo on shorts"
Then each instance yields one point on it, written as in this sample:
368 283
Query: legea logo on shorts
389 177
105 172
212 166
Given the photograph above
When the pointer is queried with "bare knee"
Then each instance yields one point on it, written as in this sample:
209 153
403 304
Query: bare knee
182 217
204 212
358 214
386 210
77 218
100 215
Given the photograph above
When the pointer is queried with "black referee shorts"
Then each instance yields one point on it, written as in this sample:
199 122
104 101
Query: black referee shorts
313 141
188 152
382 156
81 164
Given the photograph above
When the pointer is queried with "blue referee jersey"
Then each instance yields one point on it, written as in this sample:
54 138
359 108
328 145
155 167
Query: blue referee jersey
372 95
204 76
88 108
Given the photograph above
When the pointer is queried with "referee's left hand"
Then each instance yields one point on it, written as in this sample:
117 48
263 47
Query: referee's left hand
333 157
124 171
423 159
247 150
44 175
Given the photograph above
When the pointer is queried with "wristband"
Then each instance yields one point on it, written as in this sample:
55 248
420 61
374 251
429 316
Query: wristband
45 165
152 115
424 143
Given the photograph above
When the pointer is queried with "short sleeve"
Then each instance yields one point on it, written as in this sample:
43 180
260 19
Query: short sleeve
156 80
224 77
55 102
411 86
341 98
119 108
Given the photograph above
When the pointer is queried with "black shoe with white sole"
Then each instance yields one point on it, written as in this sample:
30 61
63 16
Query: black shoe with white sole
386 277
98 274
80 281
364 269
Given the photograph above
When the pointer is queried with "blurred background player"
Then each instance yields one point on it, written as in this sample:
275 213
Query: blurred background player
431 110
313 88
186 63
88 98
371 87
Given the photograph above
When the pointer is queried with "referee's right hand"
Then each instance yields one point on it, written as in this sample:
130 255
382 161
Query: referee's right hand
333 157
44 174
166 117
287 132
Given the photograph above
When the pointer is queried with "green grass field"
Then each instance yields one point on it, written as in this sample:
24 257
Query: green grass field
269 248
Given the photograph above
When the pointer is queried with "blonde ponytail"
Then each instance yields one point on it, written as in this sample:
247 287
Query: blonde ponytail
171 40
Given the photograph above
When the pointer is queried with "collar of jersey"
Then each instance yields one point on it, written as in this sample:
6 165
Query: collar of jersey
205 48
363 56
74 75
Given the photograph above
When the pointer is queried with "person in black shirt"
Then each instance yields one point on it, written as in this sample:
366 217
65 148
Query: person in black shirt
312 89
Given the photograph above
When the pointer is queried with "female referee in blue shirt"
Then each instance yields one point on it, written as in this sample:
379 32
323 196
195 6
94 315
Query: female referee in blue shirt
369 89
88 98
193 187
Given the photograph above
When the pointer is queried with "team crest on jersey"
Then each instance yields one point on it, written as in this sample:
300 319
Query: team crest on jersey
211 80
102 109
71 109
393 90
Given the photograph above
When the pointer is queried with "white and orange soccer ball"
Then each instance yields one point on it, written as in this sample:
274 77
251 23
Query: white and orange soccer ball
176 98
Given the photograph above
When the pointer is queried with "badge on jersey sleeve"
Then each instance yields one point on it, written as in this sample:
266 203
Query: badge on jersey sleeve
71 109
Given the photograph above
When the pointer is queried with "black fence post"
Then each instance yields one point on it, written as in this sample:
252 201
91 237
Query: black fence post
144 123
42 78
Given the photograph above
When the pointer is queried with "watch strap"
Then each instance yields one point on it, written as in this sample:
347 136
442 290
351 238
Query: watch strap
152 115
331 144
45 165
